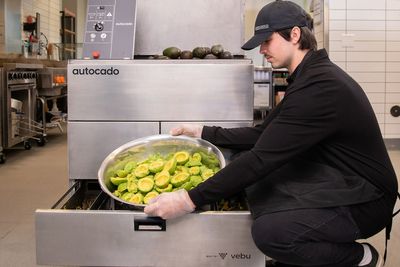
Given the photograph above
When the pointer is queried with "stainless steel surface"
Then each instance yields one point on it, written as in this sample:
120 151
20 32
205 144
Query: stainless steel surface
89 143
150 90
108 238
140 149
204 23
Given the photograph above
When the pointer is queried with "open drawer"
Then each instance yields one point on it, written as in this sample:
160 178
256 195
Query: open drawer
85 228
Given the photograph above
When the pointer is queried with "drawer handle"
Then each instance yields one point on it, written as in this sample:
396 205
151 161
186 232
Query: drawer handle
150 224
395 111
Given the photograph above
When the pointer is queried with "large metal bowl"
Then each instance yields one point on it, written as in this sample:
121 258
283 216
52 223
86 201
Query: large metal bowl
142 148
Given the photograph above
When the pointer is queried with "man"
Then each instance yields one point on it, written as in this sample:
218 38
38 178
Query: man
316 172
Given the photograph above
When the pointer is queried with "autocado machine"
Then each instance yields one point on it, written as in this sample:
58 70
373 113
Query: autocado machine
124 95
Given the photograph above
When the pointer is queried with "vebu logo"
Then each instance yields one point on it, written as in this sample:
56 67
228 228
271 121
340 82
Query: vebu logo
241 256
237 256
223 255
87 71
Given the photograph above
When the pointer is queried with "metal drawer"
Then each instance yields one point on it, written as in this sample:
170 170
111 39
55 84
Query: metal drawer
103 237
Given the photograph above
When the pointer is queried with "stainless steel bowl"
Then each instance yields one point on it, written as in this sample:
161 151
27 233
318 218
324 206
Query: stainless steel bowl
142 148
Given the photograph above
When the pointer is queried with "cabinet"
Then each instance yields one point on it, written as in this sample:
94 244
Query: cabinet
68 34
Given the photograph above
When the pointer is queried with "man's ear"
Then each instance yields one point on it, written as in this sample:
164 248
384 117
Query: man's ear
295 35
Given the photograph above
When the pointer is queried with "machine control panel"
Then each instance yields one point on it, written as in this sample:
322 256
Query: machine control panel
110 29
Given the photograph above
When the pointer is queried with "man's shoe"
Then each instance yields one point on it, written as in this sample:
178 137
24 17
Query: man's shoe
376 261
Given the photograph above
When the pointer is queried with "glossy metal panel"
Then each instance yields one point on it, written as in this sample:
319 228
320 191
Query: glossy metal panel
89 143
109 238
161 24
151 90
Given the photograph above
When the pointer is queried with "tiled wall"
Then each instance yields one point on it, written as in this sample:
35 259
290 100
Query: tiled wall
364 40
49 14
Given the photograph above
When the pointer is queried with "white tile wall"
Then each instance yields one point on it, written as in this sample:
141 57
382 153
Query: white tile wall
365 66
364 39
49 14
373 87
366 56
363 14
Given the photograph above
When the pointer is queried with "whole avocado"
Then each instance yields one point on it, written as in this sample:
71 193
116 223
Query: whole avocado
208 50
199 52
226 55
172 52
186 54
210 56
217 50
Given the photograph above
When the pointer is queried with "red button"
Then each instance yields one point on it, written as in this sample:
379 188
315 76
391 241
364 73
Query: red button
96 54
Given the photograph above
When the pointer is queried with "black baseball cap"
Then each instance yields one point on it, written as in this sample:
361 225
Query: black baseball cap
276 16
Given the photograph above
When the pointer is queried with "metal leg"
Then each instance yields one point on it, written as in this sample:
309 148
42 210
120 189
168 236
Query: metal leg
44 104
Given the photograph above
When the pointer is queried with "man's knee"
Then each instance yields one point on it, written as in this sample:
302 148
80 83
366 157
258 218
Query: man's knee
270 237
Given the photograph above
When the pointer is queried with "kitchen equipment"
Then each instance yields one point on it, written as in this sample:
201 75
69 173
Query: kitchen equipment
18 94
140 149
114 102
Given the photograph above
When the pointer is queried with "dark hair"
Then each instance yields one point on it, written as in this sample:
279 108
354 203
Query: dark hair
307 38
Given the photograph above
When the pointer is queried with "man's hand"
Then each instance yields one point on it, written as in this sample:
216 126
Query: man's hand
170 205
192 130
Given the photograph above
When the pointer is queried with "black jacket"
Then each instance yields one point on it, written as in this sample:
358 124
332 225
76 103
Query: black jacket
320 147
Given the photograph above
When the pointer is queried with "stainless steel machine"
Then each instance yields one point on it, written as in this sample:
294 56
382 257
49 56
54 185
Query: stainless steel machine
133 99
113 102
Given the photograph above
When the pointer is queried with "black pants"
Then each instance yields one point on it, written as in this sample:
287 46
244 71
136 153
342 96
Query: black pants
318 237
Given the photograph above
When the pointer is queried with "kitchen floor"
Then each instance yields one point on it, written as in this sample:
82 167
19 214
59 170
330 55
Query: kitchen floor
36 178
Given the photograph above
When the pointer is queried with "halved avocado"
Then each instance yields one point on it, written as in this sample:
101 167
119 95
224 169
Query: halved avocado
136 198
162 179
149 196
170 166
196 156
122 187
145 185
156 166
195 170
179 179
132 186
181 169
126 196
118 180
182 157
207 173
186 186
142 170
122 173
196 180
130 166
166 189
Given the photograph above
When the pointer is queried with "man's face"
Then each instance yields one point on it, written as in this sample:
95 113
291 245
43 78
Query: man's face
277 51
